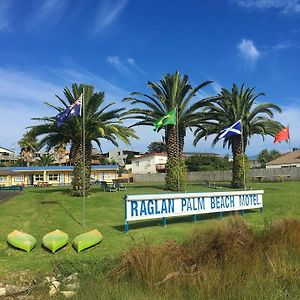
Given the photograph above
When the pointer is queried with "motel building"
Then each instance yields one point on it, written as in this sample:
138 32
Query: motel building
51 175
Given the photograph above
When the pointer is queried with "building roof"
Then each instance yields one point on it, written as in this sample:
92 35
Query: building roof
163 154
288 158
7 149
6 172
57 168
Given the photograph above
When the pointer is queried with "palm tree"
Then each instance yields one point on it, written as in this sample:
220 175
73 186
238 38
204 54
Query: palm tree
173 91
60 153
229 107
46 159
101 122
29 146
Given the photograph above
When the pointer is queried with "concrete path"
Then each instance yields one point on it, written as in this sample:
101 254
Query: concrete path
4 196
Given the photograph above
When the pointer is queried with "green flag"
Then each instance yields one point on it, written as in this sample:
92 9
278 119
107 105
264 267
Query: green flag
169 118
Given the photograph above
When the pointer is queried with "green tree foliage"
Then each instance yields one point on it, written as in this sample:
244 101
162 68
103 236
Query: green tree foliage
173 91
29 147
157 147
197 163
101 122
265 156
229 107
46 159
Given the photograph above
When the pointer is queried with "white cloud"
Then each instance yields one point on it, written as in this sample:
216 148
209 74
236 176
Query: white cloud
16 86
127 66
22 95
119 65
47 11
248 51
113 93
5 16
131 61
21 98
108 12
285 6
284 45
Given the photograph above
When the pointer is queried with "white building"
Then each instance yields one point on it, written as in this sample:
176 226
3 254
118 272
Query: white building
291 159
7 155
149 163
120 156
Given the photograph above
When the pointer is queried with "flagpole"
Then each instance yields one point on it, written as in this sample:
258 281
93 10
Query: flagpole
177 138
83 160
291 166
243 151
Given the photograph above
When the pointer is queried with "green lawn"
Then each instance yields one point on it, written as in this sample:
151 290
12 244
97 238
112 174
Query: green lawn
40 210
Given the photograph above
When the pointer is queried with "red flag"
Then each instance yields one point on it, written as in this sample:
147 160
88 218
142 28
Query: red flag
282 135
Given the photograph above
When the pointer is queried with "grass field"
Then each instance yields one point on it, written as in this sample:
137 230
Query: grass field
40 210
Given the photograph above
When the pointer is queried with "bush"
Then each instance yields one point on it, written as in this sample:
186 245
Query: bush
176 175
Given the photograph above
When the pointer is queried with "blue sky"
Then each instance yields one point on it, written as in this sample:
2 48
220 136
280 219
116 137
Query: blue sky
118 45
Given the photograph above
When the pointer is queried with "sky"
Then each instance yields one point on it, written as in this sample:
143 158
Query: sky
120 45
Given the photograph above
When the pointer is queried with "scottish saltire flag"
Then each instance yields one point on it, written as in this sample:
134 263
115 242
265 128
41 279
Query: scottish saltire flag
233 129
70 112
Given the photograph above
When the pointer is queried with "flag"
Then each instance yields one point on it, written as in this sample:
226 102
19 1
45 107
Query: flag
169 118
282 135
234 129
70 112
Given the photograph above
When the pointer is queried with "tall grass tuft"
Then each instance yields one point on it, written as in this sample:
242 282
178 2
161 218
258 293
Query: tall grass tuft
230 261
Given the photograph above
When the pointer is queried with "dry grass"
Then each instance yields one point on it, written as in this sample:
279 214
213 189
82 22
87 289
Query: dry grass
230 261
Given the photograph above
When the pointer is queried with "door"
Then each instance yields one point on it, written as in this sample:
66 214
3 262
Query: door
62 179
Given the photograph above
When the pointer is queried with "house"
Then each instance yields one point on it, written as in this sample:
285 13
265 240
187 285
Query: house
288 160
120 156
7 156
149 163
54 175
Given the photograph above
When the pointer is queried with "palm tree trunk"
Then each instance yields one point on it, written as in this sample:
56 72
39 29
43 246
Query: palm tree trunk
237 164
79 169
175 167
171 141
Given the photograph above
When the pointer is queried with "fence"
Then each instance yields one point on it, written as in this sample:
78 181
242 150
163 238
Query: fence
218 176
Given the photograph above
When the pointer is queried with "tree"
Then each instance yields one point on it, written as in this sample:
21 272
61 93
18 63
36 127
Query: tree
265 156
101 122
157 147
197 163
59 153
46 159
29 146
173 91
229 107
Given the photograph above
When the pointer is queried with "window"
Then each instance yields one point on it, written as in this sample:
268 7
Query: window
19 178
2 178
38 177
289 166
53 177
137 163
